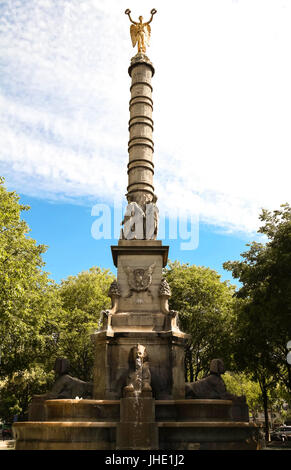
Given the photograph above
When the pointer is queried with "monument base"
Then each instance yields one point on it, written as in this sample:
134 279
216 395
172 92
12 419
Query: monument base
166 353
137 423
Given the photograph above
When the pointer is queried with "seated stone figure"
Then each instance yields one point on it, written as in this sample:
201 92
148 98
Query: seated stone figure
212 386
139 377
67 386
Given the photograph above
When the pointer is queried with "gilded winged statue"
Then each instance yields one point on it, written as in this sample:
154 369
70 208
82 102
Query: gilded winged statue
140 32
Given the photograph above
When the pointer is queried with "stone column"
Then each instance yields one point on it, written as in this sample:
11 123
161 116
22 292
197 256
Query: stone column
140 312
141 147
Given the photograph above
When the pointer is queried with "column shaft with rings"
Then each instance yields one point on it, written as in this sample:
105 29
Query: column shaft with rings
140 146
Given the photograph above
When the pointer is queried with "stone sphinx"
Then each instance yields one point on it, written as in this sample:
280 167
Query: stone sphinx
66 386
139 377
212 386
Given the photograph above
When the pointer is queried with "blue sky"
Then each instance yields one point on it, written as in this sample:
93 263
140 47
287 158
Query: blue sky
66 229
222 101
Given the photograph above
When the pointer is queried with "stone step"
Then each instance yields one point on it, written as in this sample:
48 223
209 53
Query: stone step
70 435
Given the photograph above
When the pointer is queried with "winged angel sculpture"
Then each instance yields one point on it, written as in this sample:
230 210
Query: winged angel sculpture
140 32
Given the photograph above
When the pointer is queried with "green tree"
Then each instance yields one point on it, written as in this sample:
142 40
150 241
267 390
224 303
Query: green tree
83 298
40 320
240 384
205 305
28 299
263 324
17 390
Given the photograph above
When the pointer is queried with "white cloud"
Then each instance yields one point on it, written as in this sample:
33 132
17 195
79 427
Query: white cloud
222 101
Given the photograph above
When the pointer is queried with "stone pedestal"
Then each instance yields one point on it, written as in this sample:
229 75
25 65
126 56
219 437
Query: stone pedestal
149 256
139 317
137 428
166 362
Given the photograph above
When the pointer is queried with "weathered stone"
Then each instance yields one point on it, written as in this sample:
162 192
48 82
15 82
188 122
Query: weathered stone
212 386
114 290
133 222
37 409
166 352
151 221
138 223
114 293
66 386
70 387
140 146
164 293
137 428
139 377
139 277
164 288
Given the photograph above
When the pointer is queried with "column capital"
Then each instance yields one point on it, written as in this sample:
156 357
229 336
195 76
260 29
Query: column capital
139 59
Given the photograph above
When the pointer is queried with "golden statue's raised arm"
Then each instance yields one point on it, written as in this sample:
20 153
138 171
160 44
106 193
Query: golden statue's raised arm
153 12
127 12
140 32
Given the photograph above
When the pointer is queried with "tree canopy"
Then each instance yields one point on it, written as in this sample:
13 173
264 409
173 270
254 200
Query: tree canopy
205 305
263 325
27 296
29 305
83 297
39 319
264 322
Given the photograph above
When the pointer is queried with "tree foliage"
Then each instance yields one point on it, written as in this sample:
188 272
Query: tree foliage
29 303
39 319
27 296
240 384
83 297
265 318
205 305
263 324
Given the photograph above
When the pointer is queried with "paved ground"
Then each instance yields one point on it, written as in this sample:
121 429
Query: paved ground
6 445
9 445
276 445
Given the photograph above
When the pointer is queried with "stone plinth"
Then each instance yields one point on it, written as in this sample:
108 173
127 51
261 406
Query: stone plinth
139 317
145 255
166 361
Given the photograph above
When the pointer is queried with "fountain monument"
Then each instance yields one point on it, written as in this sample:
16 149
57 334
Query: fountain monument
138 399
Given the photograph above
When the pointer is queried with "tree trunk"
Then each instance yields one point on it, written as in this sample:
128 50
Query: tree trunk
186 362
185 369
265 403
289 376
191 368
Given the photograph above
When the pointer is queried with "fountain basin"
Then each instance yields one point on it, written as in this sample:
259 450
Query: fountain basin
177 424
82 410
215 435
